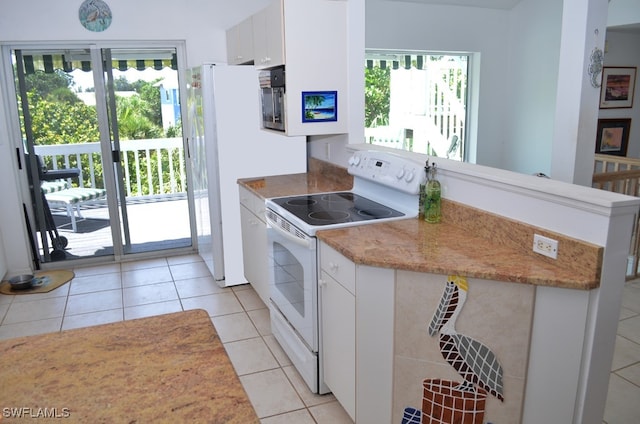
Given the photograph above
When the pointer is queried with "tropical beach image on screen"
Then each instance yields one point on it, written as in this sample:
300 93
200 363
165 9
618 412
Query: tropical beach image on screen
319 106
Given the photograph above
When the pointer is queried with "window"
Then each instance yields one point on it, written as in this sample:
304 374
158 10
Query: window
417 102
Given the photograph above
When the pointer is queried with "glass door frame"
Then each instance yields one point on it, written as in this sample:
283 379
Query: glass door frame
96 49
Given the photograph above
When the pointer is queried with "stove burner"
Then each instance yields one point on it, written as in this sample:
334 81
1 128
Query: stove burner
326 209
301 202
338 197
333 216
375 213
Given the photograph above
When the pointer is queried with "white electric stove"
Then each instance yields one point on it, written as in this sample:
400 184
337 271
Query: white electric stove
386 187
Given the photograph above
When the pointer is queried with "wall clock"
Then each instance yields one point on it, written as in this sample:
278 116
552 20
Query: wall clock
95 15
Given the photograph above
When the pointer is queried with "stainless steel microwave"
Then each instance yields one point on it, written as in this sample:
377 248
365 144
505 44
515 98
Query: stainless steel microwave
272 86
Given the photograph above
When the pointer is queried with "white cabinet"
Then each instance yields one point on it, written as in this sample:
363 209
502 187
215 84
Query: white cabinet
268 36
338 326
357 329
307 36
240 43
254 242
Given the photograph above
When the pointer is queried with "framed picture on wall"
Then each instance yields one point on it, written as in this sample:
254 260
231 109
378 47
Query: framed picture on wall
319 106
612 137
618 85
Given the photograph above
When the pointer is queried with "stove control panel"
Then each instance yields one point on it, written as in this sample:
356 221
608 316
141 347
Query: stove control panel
388 169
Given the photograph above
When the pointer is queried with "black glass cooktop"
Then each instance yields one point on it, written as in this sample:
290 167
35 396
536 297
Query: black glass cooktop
335 208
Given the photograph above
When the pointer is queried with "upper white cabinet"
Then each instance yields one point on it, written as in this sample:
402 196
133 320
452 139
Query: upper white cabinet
308 38
268 36
240 43
315 61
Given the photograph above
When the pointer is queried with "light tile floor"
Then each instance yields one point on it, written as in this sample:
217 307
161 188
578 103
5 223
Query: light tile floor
116 292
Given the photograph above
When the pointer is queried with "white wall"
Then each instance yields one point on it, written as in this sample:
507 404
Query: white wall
396 25
623 50
533 53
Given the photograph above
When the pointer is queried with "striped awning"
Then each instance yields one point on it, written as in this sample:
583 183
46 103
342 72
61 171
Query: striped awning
50 62
406 61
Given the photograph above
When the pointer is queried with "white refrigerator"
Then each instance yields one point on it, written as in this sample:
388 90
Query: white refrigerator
226 143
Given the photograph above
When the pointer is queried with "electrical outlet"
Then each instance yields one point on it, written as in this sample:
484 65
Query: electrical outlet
545 246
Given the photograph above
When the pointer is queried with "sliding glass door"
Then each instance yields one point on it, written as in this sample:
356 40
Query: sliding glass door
103 150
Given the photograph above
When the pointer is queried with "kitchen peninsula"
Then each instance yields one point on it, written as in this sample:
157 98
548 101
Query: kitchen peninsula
550 322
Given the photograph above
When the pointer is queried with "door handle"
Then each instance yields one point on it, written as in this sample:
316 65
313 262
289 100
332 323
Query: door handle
115 156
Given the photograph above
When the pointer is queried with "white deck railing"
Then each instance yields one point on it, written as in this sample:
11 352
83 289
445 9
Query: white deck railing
149 165
424 124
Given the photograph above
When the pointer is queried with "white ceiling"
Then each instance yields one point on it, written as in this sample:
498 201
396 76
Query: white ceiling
489 4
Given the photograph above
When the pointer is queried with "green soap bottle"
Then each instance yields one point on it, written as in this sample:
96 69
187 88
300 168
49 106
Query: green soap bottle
432 207
423 192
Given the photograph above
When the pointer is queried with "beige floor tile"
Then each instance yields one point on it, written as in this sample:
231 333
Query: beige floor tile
140 277
93 318
150 293
184 259
250 299
96 270
309 398
199 287
31 328
630 328
622 402
6 299
234 327
626 353
631 374
94 302
92 283
61 291
262 320
300 416
330 413
215 304
4 307
276 350
250 356
35 310
144 264
152 309
241 287
189 270
271 393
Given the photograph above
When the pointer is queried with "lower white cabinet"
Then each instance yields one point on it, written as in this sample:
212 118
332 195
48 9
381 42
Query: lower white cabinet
338 323
254 243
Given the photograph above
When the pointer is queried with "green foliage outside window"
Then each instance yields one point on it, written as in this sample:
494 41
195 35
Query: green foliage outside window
59 117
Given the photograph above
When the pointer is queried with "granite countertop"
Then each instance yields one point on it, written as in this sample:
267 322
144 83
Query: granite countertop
167 368
467 242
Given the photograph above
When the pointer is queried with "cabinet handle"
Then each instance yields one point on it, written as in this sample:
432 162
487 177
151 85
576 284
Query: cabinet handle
333 266
322 283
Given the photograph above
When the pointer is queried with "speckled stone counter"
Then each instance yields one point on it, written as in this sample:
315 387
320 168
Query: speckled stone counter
468 242
446 248
169 368
322 177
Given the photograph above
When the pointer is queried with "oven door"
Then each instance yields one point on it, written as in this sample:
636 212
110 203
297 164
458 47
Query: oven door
293 278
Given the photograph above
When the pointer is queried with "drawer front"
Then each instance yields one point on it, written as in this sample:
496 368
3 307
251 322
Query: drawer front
337 266
254 203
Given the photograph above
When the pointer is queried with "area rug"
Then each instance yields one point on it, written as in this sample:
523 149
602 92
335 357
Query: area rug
169 368
45 282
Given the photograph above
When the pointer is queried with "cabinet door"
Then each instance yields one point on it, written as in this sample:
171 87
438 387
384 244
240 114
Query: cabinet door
339 341
254 253
233 54
268 36
240 43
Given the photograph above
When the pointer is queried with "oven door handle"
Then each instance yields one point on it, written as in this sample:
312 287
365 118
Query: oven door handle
305 242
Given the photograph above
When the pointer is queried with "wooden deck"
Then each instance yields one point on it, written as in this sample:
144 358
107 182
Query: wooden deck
153 225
